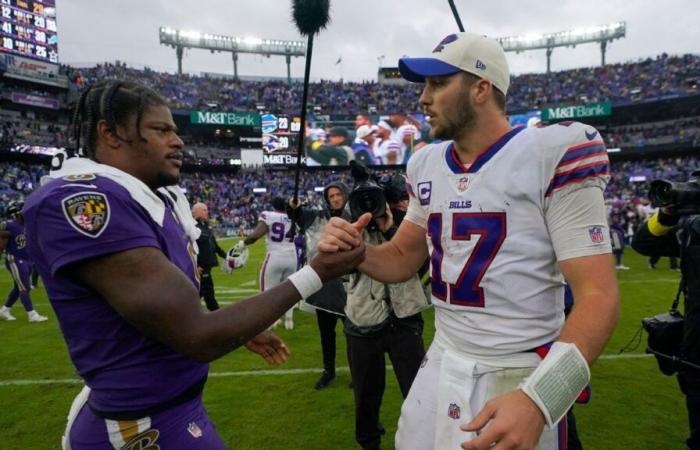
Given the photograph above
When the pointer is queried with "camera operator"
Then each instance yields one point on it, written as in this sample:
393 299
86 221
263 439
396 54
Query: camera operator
675 231
329 302
381 318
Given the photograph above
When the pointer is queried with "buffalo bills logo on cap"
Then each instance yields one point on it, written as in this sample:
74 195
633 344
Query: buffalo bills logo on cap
449 39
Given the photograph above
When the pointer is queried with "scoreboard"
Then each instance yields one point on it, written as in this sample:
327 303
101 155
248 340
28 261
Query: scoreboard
280 134
28 28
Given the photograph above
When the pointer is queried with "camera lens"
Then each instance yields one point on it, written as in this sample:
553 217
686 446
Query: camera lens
661 193
368 204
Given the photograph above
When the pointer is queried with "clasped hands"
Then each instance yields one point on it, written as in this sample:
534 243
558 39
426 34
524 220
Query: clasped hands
340 248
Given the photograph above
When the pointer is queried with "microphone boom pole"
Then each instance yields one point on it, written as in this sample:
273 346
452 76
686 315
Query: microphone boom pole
456 14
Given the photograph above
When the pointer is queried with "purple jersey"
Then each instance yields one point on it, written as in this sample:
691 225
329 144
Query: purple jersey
69 221
17 245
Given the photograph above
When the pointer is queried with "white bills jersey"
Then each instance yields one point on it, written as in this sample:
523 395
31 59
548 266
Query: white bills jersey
496 229
389 152
280 237
406 135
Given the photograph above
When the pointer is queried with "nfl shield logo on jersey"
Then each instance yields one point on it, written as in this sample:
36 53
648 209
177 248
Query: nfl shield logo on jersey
462 184
453 411
596 234
194 430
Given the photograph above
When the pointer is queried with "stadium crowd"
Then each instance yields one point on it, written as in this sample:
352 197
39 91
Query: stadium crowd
234 204
680 131
619 83
19 131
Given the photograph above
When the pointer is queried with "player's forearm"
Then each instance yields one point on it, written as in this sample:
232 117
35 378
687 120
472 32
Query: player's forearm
166 304
228 328
236 324
386 263
591 322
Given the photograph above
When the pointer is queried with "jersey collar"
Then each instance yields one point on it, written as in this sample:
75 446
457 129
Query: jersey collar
456 165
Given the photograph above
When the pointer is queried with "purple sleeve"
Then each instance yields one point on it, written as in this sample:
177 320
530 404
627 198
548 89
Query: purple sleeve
78 224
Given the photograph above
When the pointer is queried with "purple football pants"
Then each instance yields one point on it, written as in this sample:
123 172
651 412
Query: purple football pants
20 270
184 427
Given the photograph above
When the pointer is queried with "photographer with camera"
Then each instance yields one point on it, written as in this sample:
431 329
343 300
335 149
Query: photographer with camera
382 318
675 231
329 302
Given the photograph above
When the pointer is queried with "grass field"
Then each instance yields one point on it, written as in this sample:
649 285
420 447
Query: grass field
257 407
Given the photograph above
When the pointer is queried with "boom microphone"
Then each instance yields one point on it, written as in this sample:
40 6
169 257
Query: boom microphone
310 17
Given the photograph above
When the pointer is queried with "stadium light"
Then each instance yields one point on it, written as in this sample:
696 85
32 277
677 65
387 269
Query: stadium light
571 38
180 40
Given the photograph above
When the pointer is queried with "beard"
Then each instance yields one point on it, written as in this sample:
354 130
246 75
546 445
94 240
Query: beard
161 177
451 127
166 179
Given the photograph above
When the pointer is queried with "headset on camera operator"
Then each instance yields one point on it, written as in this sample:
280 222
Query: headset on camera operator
381 318
675 231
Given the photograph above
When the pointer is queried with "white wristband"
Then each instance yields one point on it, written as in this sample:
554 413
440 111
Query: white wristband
306 281
557 381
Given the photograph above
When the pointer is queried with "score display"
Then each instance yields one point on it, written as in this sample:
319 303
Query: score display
280 134
28 28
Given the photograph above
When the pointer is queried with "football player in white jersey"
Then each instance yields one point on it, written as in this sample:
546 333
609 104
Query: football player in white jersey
388 150
280 260
505 214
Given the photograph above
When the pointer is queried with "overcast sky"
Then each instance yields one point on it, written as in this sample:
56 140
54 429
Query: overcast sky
363 31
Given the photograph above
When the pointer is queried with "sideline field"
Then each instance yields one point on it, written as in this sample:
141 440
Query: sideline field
258 407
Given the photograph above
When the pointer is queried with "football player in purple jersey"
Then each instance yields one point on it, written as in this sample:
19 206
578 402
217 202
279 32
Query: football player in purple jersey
115 243
14 243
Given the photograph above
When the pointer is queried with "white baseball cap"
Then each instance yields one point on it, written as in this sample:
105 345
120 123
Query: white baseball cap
466 52
363 131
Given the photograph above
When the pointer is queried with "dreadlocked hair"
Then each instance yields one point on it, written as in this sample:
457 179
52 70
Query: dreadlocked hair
113 101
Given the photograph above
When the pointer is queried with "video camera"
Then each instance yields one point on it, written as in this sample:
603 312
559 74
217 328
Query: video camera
371 194
683 197
367 196
665 336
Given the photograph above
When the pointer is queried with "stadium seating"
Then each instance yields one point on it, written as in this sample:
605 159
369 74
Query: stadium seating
233 204
619 83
